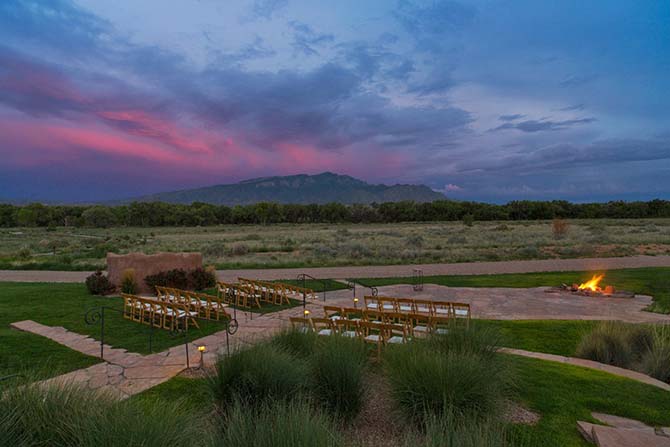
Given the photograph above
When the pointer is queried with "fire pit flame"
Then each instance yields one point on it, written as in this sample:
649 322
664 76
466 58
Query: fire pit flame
592 284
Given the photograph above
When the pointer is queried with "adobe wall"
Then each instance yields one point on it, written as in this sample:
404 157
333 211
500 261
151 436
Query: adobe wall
145 265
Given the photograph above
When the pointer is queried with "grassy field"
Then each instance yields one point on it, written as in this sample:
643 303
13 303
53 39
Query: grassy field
252 246
654 281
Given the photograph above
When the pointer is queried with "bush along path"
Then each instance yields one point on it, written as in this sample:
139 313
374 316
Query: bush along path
124 374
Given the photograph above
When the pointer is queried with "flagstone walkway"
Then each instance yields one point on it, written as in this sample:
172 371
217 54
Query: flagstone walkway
123 374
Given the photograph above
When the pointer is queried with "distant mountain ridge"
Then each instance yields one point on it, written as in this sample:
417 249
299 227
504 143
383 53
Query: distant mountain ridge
300 189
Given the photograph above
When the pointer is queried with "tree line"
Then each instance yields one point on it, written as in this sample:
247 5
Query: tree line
160 214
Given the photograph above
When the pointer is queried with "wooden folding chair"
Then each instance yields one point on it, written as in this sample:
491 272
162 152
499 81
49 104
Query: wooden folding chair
396 333
372 333
333 312
301 324
423 306
405 305
421 325
387 304
442 309
352 313
372 303
346 328
373 316
440 325
461 311
322 326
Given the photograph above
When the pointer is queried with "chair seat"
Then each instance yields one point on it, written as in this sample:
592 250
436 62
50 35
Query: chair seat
424 310
405 308
396 339
335 317
441 311
373 338
372 306
325 332
461 312
388 307
441 331
420 328
351 334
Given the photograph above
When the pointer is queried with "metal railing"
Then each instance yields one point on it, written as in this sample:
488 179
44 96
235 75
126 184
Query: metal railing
97 315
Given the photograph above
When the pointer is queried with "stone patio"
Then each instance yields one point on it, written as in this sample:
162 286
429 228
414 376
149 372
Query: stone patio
500 303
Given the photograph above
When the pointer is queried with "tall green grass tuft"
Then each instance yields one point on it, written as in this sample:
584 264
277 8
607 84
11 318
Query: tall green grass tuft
451 431
608 342
277 424
656 361
258 374
67 415
338 364
296 342
466 379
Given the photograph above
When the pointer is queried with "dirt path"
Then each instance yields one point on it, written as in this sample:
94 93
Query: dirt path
383 271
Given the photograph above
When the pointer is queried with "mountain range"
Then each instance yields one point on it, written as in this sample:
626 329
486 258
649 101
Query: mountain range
301 189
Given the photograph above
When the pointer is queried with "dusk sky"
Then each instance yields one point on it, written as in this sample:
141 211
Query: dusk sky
482 100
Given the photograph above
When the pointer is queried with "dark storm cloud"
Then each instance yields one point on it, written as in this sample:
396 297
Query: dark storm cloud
544 125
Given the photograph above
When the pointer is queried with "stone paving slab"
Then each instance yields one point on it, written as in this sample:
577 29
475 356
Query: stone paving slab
616 437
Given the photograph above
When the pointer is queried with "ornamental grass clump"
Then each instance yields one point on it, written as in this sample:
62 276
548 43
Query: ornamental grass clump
609 342
296 342
433 378
259 374
656 361
68 415
277 424
337 366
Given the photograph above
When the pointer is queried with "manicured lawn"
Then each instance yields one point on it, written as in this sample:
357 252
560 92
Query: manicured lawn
551 336
654 281
564 394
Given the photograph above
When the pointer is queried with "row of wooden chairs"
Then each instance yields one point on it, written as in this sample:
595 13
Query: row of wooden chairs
161 314
206 306
269 292
248 293
417 306
417 324
374 332
238 295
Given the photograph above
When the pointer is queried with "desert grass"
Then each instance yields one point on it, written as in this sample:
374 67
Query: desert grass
299 245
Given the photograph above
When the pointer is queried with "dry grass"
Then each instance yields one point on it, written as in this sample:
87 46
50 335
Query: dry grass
347 244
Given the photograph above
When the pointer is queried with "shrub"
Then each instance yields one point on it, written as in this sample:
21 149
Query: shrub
559 228
457 374
201 279
128 282
607 343
239 249
68 415
99 284
257 375
338 364
277 424
468 220
177 278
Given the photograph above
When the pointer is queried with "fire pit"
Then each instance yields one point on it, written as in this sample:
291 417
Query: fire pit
592 288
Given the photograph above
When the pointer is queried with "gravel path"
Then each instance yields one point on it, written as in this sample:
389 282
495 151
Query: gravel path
383 271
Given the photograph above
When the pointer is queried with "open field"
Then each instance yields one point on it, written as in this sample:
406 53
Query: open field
311 245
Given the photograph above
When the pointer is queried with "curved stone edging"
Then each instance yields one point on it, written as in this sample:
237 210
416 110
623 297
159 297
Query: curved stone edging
615 370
